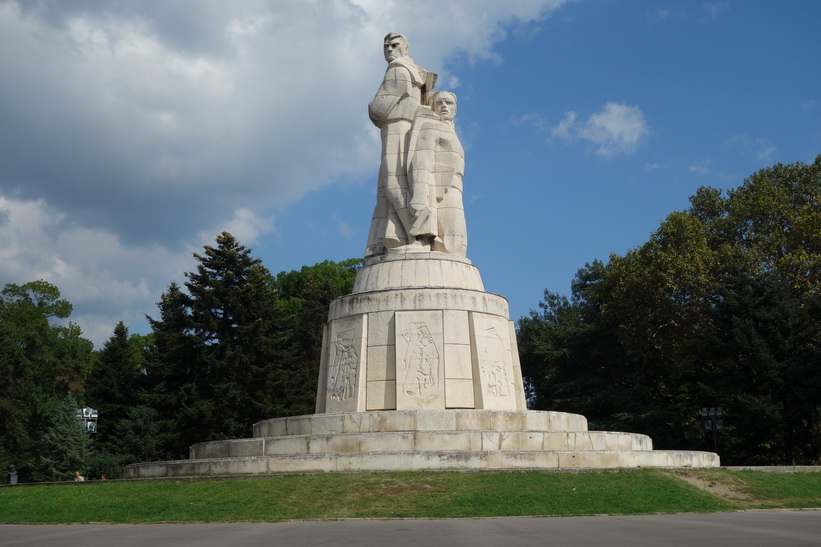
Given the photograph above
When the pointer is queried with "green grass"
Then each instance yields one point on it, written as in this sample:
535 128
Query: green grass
792 491
397 495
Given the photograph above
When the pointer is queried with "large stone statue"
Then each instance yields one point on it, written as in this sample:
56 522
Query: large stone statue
392 111
436 164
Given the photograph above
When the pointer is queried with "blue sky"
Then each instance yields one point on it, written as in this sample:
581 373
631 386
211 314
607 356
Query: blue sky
131 134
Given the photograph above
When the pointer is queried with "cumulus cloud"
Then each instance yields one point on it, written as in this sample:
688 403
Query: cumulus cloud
105 279
533 119
617 129
133 132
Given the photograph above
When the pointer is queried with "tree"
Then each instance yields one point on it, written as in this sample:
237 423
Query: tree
41 361
116 388
303 298
64 446
716 309
115 380
217 348
750 354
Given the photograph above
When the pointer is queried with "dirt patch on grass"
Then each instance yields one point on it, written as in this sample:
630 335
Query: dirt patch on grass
718 484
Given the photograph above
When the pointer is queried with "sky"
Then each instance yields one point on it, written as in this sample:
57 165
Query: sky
133 133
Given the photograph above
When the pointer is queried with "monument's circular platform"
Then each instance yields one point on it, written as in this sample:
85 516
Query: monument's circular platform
416 440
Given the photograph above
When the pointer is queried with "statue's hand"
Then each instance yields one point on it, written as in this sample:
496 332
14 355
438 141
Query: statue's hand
418 209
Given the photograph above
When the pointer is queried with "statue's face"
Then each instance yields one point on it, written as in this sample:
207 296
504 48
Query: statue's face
395 48
445 105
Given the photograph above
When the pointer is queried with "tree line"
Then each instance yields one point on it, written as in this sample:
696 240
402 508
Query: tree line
719 308
232 346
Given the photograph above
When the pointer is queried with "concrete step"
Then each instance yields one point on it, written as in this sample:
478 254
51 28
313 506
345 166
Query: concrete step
422 441
420 420
441 460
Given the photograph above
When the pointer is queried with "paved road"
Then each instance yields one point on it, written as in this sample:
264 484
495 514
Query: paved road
749 529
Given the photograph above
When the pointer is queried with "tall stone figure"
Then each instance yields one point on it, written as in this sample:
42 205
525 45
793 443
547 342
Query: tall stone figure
436 164
392 111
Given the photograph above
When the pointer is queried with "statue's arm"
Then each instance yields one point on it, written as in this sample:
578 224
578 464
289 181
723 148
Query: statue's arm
397 84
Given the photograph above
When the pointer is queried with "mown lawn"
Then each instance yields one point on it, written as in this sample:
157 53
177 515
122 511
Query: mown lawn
402 495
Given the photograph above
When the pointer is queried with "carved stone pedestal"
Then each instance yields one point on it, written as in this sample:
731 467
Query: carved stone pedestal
419 333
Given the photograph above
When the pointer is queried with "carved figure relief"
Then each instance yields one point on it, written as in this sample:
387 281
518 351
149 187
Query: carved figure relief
342 372
492 363
420 364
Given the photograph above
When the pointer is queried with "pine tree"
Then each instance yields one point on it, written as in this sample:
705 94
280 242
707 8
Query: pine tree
64 446
114 381
217 349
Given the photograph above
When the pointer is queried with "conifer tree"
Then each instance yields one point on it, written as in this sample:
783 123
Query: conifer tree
64 446
217 349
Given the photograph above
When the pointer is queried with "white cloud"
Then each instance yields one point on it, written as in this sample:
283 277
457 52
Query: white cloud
246 226
343 228
531 118
133 132
667 14
763 149
567 128
713 9
617 129
702 167
93 269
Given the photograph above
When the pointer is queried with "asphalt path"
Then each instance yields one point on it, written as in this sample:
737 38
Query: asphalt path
748 529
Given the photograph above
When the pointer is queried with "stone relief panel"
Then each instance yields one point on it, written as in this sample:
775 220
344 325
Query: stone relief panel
345 379
492 362
419 360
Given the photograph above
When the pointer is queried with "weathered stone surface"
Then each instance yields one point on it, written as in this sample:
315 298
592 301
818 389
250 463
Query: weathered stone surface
420 440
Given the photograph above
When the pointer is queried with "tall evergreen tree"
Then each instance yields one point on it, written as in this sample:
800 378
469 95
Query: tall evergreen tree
217 348
114 382
64 446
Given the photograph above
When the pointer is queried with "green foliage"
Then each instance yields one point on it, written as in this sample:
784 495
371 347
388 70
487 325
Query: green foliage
236 347
303 298
217 348
718 308
41 361
64 446
115 381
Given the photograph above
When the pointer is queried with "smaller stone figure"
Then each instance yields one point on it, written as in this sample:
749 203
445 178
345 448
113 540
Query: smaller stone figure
436 165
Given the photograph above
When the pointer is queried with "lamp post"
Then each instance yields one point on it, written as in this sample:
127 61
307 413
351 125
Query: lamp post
712 419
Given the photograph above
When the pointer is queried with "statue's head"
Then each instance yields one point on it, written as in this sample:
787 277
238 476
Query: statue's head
396 46
444 104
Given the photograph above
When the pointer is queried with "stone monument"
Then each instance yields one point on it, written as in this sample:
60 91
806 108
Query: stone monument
418 332
419 367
